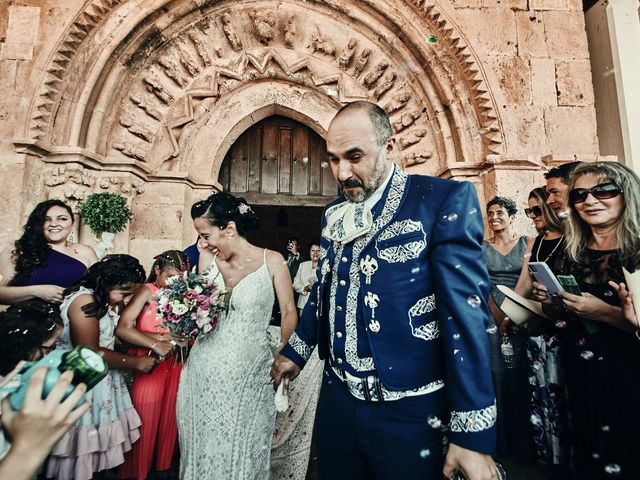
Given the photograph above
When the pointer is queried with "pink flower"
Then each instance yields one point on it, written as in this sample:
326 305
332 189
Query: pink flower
191 295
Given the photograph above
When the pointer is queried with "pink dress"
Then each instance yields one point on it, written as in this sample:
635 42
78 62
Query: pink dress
154 398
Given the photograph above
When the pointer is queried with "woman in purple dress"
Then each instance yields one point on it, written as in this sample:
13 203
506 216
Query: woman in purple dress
42 262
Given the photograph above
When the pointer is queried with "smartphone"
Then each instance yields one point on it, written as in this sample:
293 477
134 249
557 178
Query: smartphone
569 284
543 274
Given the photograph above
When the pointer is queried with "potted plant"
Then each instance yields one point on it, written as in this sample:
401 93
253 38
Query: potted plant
106 214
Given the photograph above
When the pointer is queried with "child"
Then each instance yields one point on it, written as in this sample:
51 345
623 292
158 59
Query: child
28 331
99 439
153 394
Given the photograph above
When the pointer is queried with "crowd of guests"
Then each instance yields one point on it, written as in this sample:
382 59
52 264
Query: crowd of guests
567 383
568 388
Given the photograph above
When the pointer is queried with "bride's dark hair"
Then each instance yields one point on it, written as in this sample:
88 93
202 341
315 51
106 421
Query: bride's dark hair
222 207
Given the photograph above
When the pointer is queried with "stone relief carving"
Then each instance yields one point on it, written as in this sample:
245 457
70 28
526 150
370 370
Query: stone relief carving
123 186
415 159
320 43
406 120
138 129
230 32
361 63
290 29
398 102
347 54
146 105
412 138
188 62
264 22
131 150
172 71
71 184
385 85
92 13
200 47
152 82
372 77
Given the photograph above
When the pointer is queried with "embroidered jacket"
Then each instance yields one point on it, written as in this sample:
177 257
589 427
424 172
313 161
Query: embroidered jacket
413 290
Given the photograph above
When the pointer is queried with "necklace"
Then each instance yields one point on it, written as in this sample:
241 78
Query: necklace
552 251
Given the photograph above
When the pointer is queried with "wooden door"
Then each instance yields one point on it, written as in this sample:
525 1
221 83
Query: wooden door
279 161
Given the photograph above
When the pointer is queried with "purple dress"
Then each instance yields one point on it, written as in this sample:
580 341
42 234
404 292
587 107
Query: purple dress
59 269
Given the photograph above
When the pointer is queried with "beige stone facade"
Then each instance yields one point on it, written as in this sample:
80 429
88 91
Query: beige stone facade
147 97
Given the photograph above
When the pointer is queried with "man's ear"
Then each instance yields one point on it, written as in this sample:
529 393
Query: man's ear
391 149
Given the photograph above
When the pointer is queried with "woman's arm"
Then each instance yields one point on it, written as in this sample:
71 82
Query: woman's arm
127 331
284 293
525 283
10 294
85 330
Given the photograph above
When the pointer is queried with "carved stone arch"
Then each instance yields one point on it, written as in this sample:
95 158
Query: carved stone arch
231 122
148 73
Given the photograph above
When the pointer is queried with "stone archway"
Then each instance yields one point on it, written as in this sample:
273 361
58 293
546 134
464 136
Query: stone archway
153 94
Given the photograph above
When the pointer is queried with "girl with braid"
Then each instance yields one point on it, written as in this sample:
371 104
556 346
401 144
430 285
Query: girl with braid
100 438
153 394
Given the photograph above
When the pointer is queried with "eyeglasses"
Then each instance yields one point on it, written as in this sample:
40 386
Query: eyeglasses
602 191
534 211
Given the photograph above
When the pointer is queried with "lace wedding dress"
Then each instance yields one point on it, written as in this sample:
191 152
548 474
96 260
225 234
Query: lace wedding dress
225 407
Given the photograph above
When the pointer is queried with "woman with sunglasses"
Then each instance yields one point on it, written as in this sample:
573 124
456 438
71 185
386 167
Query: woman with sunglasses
601 352
546 376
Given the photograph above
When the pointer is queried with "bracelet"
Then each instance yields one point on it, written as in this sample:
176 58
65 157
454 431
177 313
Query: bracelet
152 346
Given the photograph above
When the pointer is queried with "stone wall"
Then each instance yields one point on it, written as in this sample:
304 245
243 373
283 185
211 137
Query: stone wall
145 98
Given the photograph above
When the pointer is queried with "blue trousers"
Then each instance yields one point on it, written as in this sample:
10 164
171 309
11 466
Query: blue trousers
358 440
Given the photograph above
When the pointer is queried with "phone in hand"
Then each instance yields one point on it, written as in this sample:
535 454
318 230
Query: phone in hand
543 275
569 284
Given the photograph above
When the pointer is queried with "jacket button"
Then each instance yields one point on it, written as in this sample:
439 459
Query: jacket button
344 259
342 283
339 334
339 360
338 308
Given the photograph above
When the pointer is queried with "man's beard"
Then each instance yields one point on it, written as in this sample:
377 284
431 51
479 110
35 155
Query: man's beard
375 180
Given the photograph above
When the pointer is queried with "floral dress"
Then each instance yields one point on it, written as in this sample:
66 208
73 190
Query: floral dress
99 439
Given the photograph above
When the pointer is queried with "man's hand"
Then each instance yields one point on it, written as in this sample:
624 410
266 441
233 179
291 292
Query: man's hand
283 369
474 465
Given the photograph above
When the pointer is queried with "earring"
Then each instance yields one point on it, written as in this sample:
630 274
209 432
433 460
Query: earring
71 239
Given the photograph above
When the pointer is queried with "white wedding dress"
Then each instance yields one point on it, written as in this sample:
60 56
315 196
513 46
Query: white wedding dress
225 407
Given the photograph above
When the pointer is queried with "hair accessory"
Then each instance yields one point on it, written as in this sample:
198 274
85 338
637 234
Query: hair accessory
244 208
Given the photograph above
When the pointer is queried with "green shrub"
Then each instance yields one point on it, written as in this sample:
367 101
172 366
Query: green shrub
105 212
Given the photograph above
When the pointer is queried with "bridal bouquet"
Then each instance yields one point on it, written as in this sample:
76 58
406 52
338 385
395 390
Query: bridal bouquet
190 304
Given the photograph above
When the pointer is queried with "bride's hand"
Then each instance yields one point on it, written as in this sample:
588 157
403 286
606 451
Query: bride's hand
283 369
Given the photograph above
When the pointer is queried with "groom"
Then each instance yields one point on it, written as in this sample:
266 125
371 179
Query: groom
399 316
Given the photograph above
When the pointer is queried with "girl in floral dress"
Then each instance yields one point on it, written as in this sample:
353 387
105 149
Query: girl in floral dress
99 439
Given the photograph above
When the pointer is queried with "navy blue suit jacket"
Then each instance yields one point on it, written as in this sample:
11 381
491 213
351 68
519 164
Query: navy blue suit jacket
432 285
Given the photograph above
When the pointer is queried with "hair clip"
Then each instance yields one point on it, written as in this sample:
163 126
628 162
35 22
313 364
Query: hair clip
244 208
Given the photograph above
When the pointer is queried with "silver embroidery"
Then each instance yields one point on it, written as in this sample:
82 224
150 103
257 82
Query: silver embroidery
473 420
323 253
392 202
428 331
400 253
300 346
356 387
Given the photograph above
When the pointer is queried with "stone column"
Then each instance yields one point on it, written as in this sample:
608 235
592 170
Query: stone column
613 30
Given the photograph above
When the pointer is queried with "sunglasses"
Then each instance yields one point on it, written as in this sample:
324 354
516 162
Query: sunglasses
602 191
534 211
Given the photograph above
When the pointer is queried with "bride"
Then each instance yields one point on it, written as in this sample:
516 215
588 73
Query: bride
225 407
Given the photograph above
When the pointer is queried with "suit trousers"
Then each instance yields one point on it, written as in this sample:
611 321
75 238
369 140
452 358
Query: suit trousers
359 440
